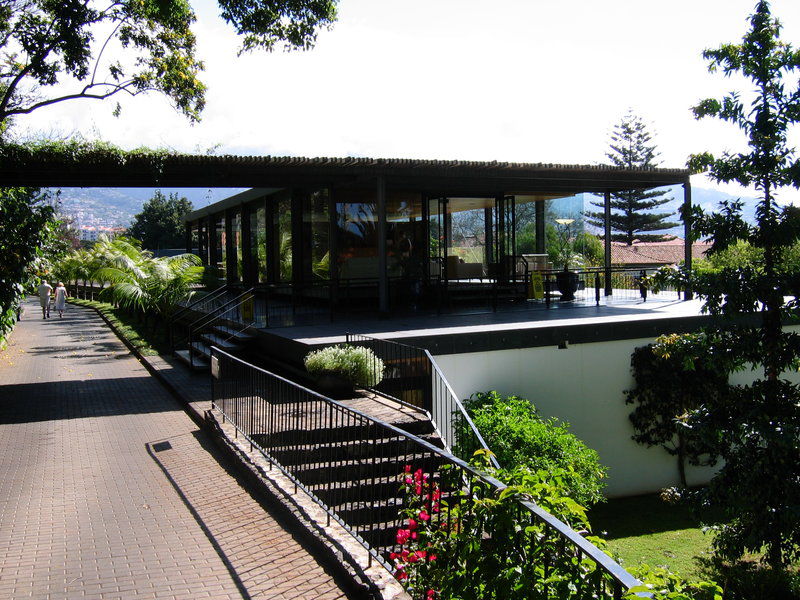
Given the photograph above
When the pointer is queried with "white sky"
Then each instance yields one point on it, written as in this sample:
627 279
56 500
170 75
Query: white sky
507 80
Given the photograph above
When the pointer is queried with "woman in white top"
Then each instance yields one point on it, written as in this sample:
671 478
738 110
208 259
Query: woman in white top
61 299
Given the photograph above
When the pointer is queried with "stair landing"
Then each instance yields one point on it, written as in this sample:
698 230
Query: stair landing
390 411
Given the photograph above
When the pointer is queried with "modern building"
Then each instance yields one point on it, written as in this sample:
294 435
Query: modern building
395 234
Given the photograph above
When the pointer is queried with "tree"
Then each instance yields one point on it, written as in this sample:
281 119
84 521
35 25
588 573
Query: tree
160 224
632 215
756 428
107 48
26 226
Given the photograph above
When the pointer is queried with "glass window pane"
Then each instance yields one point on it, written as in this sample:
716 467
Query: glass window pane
317 220
283 218
258 242
220 250
357 234
236 232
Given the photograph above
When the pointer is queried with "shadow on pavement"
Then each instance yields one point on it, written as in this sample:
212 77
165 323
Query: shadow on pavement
55 400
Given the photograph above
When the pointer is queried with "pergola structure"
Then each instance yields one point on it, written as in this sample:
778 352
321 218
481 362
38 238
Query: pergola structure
350 219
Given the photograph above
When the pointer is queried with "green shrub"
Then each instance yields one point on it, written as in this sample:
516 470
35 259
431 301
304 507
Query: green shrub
356 364
482 546
519 436
662 584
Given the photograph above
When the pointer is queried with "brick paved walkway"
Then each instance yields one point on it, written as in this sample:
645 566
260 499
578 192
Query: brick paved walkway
108 490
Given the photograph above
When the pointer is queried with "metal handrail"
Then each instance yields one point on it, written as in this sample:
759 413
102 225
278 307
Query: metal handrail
210 296
174 317
439 410
264 411
462 410
213 316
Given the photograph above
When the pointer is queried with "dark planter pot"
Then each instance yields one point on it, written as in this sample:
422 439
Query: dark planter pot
333 386
567 283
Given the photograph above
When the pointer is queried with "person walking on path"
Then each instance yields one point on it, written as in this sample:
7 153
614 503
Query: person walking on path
61 299
44 298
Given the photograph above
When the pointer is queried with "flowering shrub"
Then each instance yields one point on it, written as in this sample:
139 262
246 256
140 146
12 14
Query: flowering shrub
356 364
472 539
468 539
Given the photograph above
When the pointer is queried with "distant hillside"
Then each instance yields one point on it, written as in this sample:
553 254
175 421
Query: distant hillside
115 207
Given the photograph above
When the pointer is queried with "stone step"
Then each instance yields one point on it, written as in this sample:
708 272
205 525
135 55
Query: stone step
198 363
232 333
221 342
336 453
391 467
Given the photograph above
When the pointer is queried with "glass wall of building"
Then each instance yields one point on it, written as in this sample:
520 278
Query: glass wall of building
236 234
405 235
316 222
194 239
283 238
357 234
220 249
258 242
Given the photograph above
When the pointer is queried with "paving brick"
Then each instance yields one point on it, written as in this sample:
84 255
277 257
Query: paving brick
90 509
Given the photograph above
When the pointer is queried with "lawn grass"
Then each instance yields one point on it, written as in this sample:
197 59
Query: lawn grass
644 529
149 339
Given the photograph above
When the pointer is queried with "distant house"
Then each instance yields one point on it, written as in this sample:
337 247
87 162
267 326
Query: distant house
89 233
653 255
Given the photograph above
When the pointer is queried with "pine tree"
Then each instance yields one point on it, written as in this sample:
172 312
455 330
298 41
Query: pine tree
631 211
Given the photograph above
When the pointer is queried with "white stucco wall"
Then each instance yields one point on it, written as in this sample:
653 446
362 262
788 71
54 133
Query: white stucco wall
583 385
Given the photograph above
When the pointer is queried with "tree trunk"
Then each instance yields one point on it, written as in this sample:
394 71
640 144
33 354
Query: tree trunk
682 462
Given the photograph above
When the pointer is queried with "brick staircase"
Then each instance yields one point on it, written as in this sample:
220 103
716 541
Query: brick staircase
357 471
220 334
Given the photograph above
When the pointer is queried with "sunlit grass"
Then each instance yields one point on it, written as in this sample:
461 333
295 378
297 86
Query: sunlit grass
644 529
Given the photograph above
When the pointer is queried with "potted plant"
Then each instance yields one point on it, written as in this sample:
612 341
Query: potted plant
338 369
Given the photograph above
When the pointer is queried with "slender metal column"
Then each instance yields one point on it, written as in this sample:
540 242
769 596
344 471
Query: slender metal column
383 278
607 241
687 234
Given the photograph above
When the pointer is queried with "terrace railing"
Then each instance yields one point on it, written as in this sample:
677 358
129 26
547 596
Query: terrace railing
240 311
411 376
310 438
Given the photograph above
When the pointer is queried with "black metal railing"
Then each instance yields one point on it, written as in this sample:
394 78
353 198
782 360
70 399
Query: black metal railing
624 285
412 376
352 465
239 312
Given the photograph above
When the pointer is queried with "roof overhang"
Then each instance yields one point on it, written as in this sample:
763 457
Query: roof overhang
430 176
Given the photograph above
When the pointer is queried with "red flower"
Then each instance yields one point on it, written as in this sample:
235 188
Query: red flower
407 469
412 524
400 575
403 535
430 594
424 516
432 557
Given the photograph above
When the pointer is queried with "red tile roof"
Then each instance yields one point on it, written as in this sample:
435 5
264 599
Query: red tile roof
654 253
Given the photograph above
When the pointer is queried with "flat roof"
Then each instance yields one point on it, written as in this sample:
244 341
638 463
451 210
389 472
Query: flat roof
91 167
